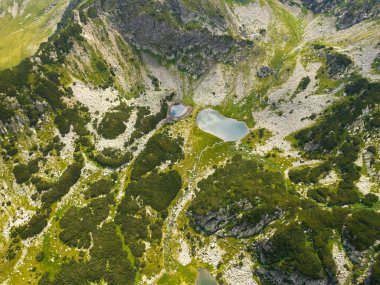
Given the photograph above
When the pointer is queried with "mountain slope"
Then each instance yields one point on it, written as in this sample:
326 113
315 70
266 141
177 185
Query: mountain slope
99 185
24 25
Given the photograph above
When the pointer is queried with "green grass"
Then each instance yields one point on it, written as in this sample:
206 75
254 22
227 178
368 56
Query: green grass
22 35
376 65
182 275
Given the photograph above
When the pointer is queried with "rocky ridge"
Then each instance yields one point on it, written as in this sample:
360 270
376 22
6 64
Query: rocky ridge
348 13
174 32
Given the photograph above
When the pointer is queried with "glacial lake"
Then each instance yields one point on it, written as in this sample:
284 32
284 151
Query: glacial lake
227 129
204 278
177 111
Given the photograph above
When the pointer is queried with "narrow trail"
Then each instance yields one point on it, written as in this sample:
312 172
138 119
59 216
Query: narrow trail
186 197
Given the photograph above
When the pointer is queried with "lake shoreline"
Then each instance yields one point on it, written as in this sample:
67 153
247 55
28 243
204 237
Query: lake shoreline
204 277
227 129
172 118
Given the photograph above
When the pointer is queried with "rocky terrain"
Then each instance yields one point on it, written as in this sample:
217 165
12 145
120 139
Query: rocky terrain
348 13
176 31
99 185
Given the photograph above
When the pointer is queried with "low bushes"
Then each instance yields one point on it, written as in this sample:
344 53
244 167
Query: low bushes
146 122
240 180
23 172
35 225
68 178
50 92
309 175
331 131
370 200
320 194
6 109
100 187
356 87
362 229
289 247
337 63
160 148
72 117
113 124
109 263
374 278
305 81
157 189
78 223
112 158
134 228
41 184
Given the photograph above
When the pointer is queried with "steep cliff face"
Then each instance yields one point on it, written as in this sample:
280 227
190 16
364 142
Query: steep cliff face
348 13
190 36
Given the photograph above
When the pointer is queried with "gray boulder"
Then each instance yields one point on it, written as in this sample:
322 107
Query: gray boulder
265 71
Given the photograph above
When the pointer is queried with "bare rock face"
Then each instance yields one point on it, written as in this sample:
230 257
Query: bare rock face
229 222
275 276
337 64
348 13
264 72
192 39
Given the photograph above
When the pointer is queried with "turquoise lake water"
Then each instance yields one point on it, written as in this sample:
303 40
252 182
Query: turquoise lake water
204 278
177 111
227 129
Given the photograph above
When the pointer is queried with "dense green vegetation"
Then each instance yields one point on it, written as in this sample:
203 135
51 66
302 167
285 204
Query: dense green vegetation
302 244
23 172
290 247
111 158
6 109
157 189
309 174
34 226
92 13
159 149
100 187
146 122
332 131
113 123
356 87
40 256
76 117
370 200
19 84
68 178
320 194
50 92
242 180
135 225
337 63
78 223
375 272
305 81
41 184
363 229
109 262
